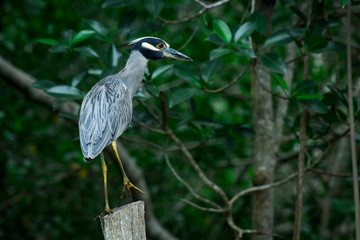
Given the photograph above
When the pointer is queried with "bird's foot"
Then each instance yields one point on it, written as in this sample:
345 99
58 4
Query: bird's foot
103 214
128 185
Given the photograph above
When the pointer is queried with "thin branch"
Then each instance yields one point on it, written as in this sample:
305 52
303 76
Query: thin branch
150 111
229 84
144 125
164 112
289 178
197 168
189 145
205 8
300 179
12 200
217 210
271 92
301 162
352 124
339 175
191 190
141 141
192 35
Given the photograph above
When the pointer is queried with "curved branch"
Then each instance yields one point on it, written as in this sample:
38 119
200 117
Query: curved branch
22 81
229 84
205 8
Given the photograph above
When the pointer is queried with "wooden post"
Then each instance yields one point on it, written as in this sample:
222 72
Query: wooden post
126 222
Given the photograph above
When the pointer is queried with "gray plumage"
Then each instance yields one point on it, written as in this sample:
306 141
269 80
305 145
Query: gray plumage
106 110
109 102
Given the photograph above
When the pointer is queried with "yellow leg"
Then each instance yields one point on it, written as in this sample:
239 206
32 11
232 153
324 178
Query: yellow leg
104 170
127 183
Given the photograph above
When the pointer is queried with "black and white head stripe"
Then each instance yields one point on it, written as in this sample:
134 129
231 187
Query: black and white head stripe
151 43
150 47
154 48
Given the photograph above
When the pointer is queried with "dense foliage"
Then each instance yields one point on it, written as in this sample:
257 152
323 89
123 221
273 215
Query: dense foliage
48 192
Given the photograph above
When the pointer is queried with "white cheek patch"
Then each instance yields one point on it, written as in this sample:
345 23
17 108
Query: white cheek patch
149 46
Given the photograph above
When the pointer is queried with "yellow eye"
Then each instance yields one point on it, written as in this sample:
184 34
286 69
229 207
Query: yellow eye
160 46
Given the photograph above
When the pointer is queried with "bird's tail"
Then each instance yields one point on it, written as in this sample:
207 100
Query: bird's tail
88 159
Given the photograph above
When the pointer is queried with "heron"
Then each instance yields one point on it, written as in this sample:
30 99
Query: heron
106 110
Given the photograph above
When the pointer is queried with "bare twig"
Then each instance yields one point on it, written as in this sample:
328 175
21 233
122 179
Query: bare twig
217 210
12 200
141 141
229 84
150 111
352 124
205 8
192 35
300 179
301 164
339 175
197 168
144 125
164 112
271 92
191 190
289 178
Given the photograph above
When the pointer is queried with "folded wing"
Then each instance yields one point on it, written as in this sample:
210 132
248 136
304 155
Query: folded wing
105 114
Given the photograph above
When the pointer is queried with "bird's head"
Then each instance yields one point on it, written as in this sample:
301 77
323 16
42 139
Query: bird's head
154 49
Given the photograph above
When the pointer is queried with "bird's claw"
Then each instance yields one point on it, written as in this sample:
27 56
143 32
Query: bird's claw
128 185
103 214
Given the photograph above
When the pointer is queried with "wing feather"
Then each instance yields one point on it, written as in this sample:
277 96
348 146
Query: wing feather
105 114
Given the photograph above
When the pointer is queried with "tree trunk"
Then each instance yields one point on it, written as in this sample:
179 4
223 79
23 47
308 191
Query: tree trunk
264 159
265 139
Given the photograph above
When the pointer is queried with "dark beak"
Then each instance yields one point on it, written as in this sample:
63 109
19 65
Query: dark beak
172 53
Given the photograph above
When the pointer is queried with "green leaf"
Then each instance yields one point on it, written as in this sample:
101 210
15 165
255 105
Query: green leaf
64 91
68 35
305 87
340 95
258 38
216 53
113 56
154 7
78 78
43 84
82 35
117 3
189 74
283 37
58 48
97 27
95 72
47 41
280 81
86 51
214 38
300 14
181 95
161 70
315 104
274 62
246 52
260 22
309 96
344 3
209 69
332 47
315 42
244 31
222 30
